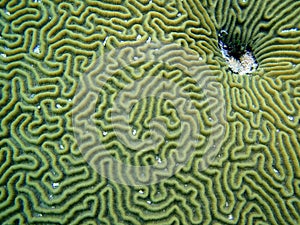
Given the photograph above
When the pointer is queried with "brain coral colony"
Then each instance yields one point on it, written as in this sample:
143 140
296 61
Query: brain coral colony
150 112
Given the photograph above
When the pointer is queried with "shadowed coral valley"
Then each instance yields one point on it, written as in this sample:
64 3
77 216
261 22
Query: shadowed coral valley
150 112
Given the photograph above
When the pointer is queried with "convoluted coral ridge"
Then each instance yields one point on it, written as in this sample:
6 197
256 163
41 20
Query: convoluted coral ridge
231 143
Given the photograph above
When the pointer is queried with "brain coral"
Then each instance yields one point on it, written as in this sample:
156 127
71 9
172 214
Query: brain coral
127 112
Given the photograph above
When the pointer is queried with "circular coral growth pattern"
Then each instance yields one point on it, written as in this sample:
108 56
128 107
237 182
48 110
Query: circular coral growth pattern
131 112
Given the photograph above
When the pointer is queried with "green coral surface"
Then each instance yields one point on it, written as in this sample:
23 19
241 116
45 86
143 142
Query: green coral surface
125 112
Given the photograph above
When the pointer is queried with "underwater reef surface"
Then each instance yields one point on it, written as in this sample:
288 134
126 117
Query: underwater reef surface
150 112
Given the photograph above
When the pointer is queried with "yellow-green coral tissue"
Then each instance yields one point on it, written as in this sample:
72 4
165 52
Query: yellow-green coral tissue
166 112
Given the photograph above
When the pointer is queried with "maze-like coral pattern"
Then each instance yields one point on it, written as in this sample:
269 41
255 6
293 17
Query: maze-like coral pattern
154 103
244 130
